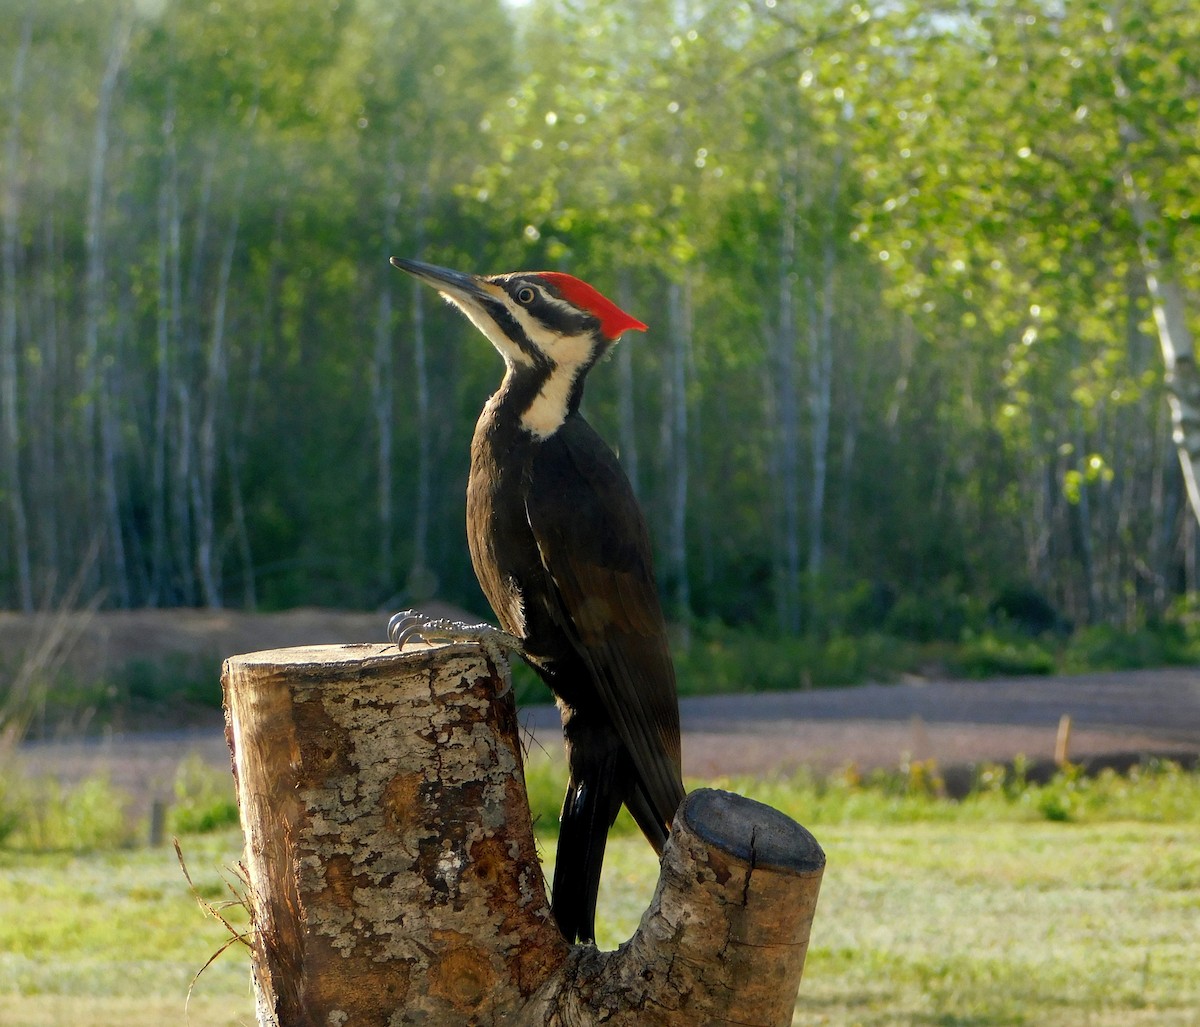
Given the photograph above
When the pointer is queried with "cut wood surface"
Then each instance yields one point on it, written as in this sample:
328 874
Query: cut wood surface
393 876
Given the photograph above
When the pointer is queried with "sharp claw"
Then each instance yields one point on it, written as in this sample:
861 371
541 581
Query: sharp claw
409 624
395 623
497 645
405 625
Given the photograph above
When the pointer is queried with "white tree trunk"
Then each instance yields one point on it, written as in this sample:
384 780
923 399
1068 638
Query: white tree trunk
626 407
787 449
421 581
8 330
1166 293
820 382
94 287
1175 341
675 432
383 372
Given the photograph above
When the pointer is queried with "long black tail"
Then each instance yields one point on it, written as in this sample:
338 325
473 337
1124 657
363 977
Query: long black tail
589 809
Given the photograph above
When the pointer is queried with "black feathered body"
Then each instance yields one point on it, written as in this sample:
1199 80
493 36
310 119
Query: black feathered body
562 553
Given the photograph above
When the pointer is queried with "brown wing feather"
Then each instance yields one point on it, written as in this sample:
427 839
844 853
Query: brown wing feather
596 549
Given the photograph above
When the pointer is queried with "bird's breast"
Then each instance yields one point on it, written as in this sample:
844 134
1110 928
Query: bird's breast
503 550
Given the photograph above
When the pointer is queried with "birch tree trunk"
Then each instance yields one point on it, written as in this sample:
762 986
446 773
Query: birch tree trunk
626 407
43 383
215 412
393 876
208 453
160 575
8 330
675 438
787 449
383 371
186 492
820 384
421 582
1175 340
94 294
1167 295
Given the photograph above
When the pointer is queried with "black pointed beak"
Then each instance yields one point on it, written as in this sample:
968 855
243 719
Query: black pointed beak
455 284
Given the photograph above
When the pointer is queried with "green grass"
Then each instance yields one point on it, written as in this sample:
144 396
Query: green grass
981 924
1015 924
993 911
1155 792
114 939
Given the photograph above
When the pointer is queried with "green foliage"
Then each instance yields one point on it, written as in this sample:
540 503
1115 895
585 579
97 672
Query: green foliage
917 344
545 783
720 659
992 654
939 616
1153 792
176 681
43 815
204 799
10 806
1101 647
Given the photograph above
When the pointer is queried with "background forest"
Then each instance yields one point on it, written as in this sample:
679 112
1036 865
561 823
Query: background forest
910 269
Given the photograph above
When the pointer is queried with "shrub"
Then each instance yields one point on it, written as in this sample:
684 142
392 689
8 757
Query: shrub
204 799
942 616
78 818
991 654
1102 647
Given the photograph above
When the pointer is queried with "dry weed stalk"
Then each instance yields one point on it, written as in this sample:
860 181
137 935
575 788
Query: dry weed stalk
237 888
56 630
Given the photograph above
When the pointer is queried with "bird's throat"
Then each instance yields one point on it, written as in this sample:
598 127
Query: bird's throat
547 407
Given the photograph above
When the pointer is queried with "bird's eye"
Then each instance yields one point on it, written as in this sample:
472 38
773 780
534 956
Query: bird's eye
526 295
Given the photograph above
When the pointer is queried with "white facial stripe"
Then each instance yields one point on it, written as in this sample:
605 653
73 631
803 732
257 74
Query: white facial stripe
566 351
549 407
556 302
509 350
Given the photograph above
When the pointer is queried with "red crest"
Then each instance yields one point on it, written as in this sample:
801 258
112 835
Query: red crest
613 320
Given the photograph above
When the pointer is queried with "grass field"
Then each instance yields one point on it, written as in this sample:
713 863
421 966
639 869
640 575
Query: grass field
999 912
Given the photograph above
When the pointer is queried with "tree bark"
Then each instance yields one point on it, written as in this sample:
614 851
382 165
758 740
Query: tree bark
1181 377
95 286
787 450
626 404
383 371
675 450
421 583
393 877
820 385
1168 298
160 574
8 330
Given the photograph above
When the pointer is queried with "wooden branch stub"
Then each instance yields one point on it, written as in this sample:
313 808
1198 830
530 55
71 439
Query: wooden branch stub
725 936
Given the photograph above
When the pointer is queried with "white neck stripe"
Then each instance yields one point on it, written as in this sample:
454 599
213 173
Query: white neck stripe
545 415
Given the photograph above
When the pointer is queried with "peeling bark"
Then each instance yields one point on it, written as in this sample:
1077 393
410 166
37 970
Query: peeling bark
393 877
724 938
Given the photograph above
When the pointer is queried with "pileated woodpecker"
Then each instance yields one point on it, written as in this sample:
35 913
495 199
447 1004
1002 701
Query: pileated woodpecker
562 553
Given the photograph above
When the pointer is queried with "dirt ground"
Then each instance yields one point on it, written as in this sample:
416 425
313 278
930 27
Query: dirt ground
1115 717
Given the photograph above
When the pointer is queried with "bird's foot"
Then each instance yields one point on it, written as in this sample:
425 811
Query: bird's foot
410 625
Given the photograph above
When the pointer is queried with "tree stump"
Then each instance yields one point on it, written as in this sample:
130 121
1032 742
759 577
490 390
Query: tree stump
393 876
